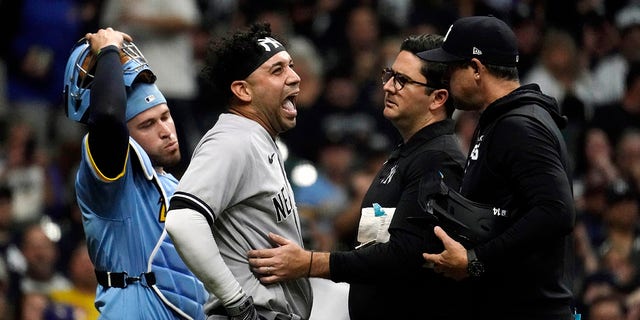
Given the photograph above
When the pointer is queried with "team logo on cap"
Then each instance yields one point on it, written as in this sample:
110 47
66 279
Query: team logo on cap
477 52
149 98
268 43
448 31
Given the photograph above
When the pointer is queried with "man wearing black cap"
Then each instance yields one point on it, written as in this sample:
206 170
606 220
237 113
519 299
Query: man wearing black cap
235 189
519 166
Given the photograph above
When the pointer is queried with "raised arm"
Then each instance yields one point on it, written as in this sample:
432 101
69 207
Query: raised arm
108 134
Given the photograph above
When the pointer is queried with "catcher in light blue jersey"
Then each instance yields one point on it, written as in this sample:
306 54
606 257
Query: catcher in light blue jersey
121 186
235 189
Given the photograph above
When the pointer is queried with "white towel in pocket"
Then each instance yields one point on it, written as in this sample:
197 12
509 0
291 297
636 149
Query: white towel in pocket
374 228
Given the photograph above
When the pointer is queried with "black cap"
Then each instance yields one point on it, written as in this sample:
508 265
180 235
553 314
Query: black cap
486 38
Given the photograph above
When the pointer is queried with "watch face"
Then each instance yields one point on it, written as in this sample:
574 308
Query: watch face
476 268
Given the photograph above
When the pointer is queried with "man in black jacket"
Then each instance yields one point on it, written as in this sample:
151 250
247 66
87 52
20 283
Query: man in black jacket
387 277
518 164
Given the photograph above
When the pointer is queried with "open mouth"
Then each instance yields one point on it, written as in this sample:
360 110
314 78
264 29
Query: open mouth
289 105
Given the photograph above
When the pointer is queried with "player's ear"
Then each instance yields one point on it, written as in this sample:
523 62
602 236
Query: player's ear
241 90
440 97
476 64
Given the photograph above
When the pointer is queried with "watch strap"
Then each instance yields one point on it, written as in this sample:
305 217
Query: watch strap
475 268
471 256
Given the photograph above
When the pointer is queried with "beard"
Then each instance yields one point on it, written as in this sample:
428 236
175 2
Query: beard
165 161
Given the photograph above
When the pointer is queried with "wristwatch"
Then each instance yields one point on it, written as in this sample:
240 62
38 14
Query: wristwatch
475 268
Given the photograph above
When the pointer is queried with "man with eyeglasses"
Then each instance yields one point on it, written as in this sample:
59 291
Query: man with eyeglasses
387 277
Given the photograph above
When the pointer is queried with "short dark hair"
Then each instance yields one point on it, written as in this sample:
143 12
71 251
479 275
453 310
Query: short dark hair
233 57
433 71
504 72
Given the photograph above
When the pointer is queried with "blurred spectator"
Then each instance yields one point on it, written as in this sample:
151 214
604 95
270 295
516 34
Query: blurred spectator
340 117
24 173
346 223
356 63
466 122
362 52
389 50
310 67
351 100
528 25
83 291
628 156
624 113
35 50
164 30
318 201
599 37
272 12
561 72
60 177
6 238
590 198
465 8
6 306
302 139
38 306
593 286
590 216
431 17
39 274
321 21
6 220
71 233
632 302
597 167
569 15
338 48
358 53
607 307
620 251
609 73
317 197
587 261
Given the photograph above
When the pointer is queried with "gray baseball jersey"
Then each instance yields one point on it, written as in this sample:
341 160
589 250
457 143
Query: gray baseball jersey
236 179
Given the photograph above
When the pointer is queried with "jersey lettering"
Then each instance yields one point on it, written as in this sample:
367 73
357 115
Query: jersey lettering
448 31
269 42
476 148
388 178
283 205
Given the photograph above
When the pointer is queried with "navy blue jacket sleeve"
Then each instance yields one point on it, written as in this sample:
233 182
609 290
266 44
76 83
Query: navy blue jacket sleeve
526 153
108 134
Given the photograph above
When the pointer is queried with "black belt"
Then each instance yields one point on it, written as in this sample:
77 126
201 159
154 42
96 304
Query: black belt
222 311
122 279
218 311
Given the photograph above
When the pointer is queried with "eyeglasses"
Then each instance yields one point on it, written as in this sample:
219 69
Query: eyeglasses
399 80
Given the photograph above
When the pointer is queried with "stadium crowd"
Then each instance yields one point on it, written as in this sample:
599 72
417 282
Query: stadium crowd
585 54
